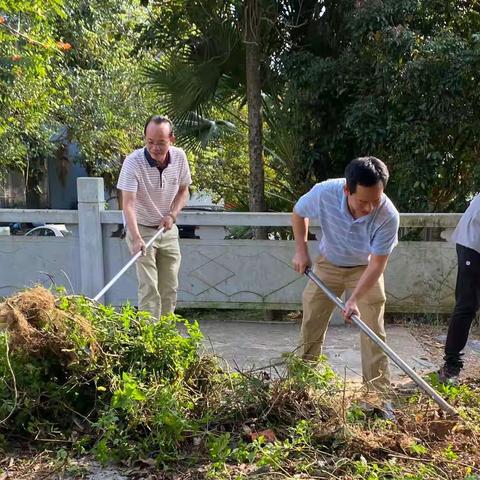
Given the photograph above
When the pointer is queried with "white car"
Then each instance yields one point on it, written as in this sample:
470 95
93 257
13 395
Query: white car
48 231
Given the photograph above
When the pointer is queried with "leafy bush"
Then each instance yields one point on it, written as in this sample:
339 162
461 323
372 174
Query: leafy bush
118 381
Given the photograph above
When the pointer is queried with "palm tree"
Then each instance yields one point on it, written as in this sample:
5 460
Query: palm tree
253 61
228 60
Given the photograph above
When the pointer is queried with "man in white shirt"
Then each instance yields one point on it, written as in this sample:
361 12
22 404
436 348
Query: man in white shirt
154 182
467 291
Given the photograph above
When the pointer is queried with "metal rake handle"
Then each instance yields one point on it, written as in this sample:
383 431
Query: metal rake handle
431 392
127 266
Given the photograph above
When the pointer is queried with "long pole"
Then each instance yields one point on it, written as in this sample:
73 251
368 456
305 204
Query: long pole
431 392
127 266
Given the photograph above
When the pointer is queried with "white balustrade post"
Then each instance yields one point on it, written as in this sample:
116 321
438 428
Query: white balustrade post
91 202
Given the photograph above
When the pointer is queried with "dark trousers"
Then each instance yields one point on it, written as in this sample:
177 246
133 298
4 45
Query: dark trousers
467 303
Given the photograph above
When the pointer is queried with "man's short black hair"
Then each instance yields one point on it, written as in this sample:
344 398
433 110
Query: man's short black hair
367 172
158 120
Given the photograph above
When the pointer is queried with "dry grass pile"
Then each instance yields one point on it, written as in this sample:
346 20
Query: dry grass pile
38 326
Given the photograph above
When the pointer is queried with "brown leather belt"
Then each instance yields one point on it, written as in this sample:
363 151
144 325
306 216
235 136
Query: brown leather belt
350 266
156 227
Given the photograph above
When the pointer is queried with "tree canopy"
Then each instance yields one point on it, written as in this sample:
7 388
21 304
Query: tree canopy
338 79
399 82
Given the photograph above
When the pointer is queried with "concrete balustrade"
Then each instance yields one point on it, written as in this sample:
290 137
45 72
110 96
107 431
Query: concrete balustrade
216 272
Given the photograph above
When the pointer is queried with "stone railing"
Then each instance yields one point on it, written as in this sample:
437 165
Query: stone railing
216 272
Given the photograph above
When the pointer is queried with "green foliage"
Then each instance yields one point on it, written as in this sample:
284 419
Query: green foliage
356 414
340 80
138 388
396 79
221 167
417 448
219 449
201 79
455 393
449 454
129 396
317 376
109 102
364 470
72 74
130 389
31 86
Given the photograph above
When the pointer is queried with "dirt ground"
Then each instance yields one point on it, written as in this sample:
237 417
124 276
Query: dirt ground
432 339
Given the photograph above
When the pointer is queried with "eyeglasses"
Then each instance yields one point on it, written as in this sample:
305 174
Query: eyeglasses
163 143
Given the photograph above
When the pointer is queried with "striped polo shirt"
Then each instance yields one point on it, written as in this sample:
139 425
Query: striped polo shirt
155 188
346 241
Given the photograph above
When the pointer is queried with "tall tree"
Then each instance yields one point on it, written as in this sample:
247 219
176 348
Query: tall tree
72 75
109 102
223 55
396 79
253 62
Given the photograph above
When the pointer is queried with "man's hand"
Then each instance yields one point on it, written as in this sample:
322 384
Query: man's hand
351 308
301 261
167 222
138 245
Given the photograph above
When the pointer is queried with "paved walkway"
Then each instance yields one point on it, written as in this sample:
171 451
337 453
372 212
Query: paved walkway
247 345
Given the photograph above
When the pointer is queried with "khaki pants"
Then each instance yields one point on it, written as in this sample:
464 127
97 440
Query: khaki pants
317 310
157 272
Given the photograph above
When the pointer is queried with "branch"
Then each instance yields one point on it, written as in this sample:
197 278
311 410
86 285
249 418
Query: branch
23 35
60 46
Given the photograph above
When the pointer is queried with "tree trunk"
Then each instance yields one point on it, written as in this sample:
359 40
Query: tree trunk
254 102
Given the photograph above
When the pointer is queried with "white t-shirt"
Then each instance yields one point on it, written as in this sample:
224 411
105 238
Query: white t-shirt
467 232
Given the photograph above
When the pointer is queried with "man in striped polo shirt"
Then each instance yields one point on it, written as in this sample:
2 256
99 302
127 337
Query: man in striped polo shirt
154 182
359 231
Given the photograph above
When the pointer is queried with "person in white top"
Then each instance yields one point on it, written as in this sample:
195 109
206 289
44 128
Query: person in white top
154 181
467 291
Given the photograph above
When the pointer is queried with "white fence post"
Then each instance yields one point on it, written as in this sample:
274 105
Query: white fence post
91 201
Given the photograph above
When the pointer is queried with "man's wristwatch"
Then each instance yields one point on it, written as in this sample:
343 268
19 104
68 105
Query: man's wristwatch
170 214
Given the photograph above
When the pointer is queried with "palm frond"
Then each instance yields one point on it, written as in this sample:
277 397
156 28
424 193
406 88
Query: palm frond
197 132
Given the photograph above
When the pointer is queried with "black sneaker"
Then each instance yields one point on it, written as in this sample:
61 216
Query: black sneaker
449 374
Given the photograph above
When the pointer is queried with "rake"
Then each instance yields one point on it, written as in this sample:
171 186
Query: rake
431 392
107 287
